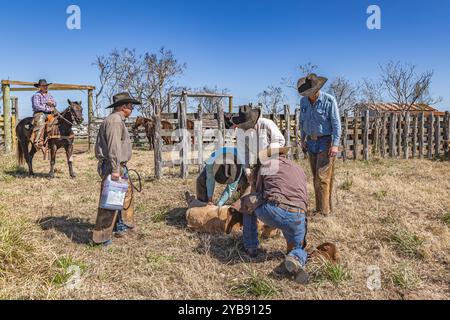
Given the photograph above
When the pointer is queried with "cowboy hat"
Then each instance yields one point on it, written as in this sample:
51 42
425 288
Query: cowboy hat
310 84
121 99
247 118
268 153
42 82
227 173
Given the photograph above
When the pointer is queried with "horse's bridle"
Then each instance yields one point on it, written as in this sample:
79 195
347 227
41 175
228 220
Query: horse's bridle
73 115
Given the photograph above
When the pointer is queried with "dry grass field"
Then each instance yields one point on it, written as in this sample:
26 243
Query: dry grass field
394 215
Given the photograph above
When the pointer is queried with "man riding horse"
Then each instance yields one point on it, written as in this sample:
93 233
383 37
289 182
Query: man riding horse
43 105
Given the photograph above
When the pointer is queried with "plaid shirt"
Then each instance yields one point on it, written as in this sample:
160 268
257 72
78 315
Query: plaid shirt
39 102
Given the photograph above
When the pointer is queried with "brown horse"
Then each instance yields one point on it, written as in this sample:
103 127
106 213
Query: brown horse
60 136
149 126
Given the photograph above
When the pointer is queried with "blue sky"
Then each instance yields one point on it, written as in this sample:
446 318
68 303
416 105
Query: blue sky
244 46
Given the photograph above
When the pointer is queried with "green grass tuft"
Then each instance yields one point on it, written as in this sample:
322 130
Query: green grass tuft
405 278
255 286
64 264
407 243
446 218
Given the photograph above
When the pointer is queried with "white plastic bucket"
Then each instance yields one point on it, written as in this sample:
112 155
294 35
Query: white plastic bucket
113 194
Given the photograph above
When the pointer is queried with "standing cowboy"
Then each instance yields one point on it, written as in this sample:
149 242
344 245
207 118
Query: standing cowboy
321 136
113 151
43 104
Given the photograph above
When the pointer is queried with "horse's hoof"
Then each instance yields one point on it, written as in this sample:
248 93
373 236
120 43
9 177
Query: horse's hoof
51 176
73 176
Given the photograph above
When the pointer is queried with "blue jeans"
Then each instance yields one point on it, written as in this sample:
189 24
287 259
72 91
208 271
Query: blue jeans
319 146
293 226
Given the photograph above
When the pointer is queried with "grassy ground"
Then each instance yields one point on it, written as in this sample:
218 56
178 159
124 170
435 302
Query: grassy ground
390 215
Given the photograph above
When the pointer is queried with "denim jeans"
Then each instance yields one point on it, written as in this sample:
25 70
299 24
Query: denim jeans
293 226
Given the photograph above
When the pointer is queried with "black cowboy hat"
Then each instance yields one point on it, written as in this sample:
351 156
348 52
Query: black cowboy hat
227 173
42 82
310 84
121 99
247 118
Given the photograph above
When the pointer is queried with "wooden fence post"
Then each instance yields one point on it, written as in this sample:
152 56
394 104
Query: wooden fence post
399 135
356 136
158 143
414 138
7 117
406 130
376 133
421 135
366 135
90 117
230 104
182 125
430 135
384 135
298 142
437 137
344 137
198 130
392 125
447 135
221 124
287 127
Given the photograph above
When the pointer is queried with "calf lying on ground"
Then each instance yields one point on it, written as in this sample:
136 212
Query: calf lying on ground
218 220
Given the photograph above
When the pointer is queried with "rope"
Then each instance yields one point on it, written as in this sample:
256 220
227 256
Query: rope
133 187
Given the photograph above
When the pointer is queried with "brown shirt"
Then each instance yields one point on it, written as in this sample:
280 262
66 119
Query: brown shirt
283 181
113 142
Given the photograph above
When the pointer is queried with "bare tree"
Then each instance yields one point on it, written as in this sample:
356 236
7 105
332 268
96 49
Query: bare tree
210 105
370 91
305 69
272 100
148 78
405 86
345 94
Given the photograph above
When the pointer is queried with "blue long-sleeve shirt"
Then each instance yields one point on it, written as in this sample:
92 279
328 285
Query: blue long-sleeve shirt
210 178
322 119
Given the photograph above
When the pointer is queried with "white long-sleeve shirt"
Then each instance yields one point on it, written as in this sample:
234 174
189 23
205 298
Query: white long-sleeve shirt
269 135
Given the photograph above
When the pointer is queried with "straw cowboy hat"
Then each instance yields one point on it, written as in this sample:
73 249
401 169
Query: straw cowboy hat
42 82
267 154
310 84
247 118
121 99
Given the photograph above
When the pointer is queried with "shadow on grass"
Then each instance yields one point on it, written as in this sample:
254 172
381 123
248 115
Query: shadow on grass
21 173
77 230
227 249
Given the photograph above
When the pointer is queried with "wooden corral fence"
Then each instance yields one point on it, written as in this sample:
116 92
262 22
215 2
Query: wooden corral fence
12 118
394 135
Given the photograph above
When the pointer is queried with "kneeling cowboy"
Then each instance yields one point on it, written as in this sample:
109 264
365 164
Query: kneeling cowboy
223 167
113 150
43 105
281 191
321 137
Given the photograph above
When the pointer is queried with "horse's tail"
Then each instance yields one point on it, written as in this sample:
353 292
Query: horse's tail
20 156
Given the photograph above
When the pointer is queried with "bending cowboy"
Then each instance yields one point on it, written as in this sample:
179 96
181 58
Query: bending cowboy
281 202
268 133
113 151
321 137
223 167
43 105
